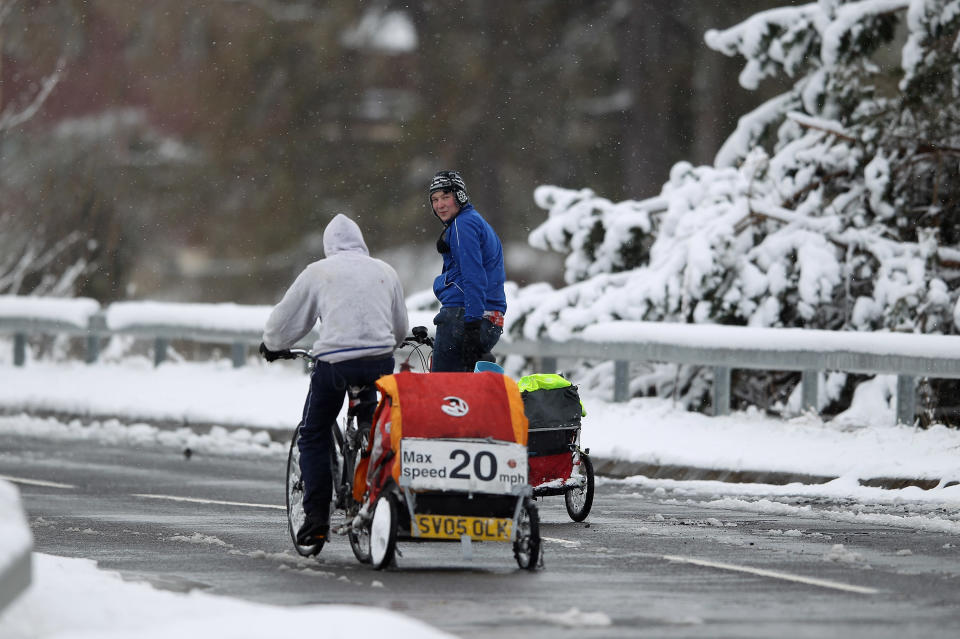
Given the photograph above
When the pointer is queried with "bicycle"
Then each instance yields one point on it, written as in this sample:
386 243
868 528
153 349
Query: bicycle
350 443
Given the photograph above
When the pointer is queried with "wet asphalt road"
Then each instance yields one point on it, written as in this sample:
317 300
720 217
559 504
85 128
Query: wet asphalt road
647 563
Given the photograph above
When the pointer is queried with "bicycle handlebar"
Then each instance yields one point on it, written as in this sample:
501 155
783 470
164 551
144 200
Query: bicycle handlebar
419 337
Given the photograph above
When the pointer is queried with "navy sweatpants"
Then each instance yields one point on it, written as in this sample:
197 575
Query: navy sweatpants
328 387
448 341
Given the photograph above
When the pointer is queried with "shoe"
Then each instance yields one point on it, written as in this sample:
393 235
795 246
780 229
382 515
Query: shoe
313 533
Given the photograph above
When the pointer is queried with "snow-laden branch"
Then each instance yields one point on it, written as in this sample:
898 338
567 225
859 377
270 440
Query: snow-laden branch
832 127
751 126
769 41
32 258
928 21
792 39
846 21
11 117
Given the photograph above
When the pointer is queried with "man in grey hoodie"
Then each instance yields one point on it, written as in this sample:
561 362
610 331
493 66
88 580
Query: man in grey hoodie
363 318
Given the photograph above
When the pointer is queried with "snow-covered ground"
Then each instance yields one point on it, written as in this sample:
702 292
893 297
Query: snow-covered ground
266 401
72 599
251 409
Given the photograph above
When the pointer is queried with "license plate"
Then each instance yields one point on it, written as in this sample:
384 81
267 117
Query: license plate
469 466
453 527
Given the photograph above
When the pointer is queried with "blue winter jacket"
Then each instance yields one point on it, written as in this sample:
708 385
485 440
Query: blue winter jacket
473 272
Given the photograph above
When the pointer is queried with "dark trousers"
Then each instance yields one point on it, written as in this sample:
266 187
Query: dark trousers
448 341
328 387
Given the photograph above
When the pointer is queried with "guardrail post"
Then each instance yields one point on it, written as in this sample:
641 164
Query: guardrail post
906 400
809 390
239 354
95 327
721 390
621 380
19 349
548 364
160 345
93 348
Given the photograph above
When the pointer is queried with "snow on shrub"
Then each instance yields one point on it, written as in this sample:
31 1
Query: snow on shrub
835 205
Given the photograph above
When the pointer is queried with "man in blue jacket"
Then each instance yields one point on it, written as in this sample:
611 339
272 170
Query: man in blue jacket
470 287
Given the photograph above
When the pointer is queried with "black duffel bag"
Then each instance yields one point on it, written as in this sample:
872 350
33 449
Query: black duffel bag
554 418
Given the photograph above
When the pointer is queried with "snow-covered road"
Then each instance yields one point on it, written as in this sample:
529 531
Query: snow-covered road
687 558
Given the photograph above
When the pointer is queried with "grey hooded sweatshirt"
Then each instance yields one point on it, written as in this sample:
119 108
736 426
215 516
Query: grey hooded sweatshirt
358 300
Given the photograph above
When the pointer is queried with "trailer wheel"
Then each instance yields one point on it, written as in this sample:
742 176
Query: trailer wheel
526 545
383 531
580 500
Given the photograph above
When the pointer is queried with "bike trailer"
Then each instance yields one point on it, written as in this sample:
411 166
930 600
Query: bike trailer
558 466
553 408
479 406
448 454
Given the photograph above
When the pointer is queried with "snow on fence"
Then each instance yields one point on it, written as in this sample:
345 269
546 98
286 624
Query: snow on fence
724 348
234 324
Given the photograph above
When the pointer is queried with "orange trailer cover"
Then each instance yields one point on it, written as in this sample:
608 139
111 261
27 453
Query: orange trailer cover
439 405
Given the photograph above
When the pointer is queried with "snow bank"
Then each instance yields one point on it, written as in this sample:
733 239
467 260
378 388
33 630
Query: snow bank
654 431
71 599
15 537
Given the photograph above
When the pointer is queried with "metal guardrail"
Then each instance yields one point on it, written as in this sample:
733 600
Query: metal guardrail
95 328
908 356
162 336
726 348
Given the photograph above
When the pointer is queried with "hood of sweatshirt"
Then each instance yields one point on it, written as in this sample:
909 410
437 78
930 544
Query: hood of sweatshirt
342 235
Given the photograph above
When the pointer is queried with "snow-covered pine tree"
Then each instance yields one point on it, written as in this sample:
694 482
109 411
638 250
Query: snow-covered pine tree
834 205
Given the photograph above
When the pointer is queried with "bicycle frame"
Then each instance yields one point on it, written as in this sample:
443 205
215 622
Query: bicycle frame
349 443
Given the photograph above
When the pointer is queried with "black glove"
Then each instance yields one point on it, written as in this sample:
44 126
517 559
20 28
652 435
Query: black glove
442 246
472 343
272 356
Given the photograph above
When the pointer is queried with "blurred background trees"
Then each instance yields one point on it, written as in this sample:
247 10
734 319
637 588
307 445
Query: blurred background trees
195 151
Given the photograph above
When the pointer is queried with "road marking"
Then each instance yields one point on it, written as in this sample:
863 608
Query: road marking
565 542
209 501
37 482
823 583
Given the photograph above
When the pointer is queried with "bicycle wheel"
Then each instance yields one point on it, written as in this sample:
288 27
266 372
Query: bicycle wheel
580 500
383 531
338 467
526 545
295 514
359 537
360 543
